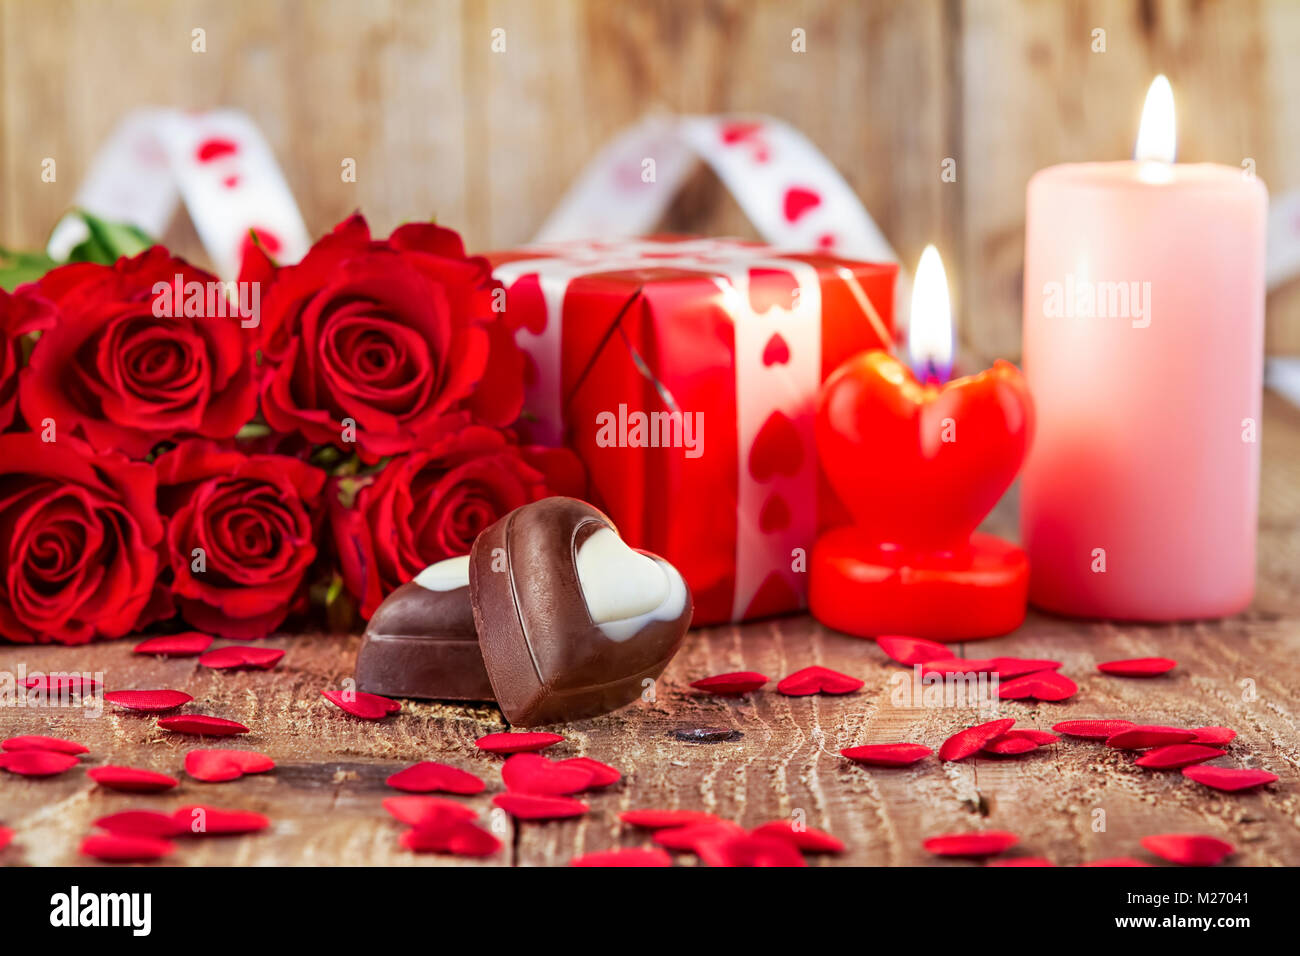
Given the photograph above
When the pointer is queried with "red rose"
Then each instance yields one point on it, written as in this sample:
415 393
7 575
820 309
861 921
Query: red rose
23 312
240 535
116 372
429 505
79 534
384 336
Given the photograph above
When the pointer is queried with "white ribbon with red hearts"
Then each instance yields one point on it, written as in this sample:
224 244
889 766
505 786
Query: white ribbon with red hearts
217 162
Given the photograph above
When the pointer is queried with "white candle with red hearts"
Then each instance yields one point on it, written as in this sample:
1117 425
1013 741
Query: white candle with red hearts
918 462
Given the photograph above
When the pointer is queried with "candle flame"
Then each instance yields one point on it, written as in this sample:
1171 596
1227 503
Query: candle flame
1157 137
929 337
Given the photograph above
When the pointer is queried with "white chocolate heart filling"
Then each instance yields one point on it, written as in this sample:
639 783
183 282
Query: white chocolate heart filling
446 575
624 589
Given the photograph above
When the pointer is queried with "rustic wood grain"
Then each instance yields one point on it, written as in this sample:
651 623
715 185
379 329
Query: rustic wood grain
488 142
324 796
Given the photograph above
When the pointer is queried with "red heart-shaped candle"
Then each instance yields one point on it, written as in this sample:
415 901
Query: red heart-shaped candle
919 465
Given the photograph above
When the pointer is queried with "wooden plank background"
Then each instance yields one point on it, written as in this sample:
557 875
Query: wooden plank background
440 125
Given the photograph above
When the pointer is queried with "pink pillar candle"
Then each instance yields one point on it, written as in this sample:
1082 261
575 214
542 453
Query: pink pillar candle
1143 349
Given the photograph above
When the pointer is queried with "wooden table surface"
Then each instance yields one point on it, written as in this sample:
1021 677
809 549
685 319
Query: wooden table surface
1072 802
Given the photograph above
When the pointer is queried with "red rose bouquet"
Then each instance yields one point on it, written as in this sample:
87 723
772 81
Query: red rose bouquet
224 456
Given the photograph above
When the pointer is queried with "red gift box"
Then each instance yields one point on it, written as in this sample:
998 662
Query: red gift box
684 373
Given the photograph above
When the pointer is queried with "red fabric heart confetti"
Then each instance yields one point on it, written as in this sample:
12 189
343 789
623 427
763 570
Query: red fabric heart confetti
958 665
912 650
533 773
419 811
972 740
56 683
1044 685
428 776
218 766
1009 746
1213 736
731 685
360 704
887 755
242 657
148 701
131 779
803 837
1116 861
1009 667
530 806
202 820
1138 667
980 843
1022 861
37 742
1145 736
1188 849
6 837
664 819
750 850
146 823
693 836
1092 729
1176 756
187 644
632 856
37 763
1229 779
456 837
202 725
602 774
516 743
817 680
125 848
1039 737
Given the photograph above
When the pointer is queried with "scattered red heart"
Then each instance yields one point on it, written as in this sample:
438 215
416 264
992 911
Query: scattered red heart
817 680
1175 756
360 704
456 837
602 774
972 740
1043 685
693 836
1213 736
516 743
664 819
1005 746
146 823
1138 667
750 850
37 742
1009 667
533 773
148 701
429 776
980 843
176 645
125 848
1145 736
218 766
731 685
805 838
6 836
239 656
1092 729
529 806
913 650
37 763
1229 779
632 856
887 755
131 779
202 725
1188 849
420 811
201 820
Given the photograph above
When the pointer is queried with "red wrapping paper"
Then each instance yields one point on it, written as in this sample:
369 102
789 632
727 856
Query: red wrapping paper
735 337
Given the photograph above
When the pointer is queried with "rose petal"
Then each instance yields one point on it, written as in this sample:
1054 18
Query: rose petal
125 848
887 755
37 763
148 701
240 656
632 856
1138 667
363 705
508 743
1092 729
202 725
663 819
528 806
817 680
187 644
972 740
131 779
429 777
731 685
1229 779
217 766
37 742
912 650
1188 849
980 843
202 820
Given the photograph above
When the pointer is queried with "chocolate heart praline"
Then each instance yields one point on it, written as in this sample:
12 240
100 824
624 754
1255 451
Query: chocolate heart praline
548 659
